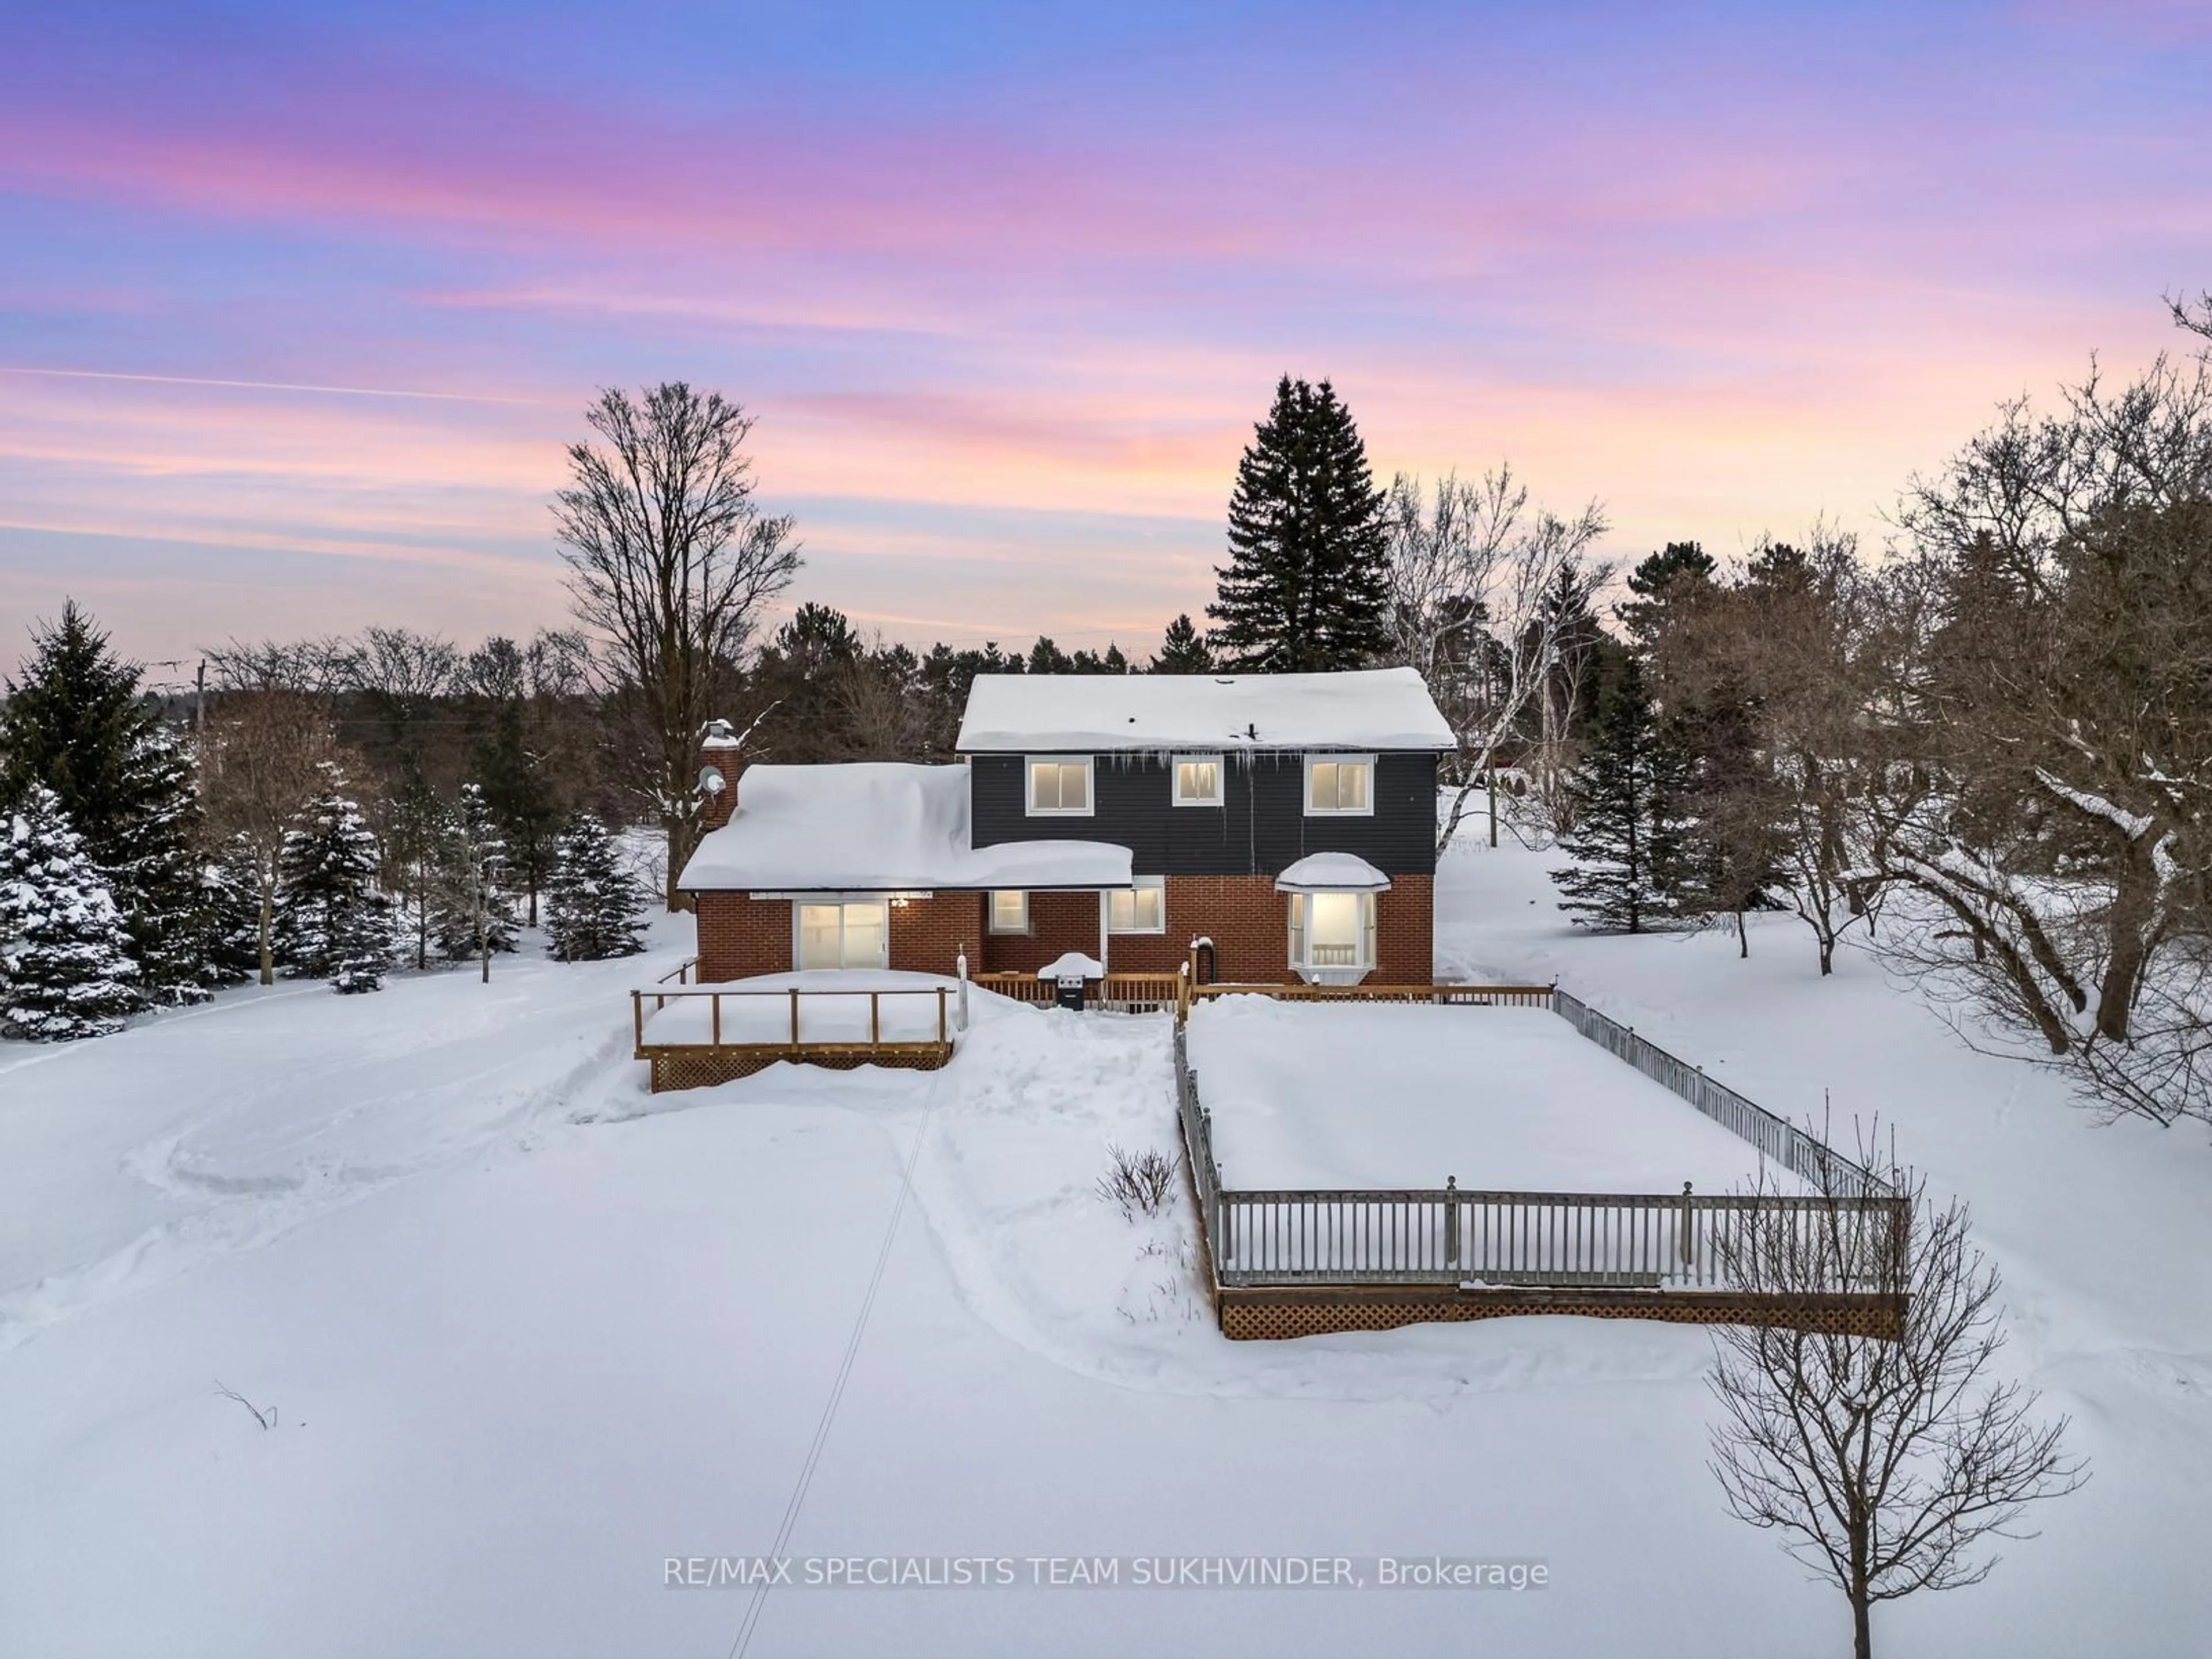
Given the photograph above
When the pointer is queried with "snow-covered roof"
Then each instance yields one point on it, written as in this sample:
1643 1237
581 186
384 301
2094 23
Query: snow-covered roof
1366 708
1331 873
874 826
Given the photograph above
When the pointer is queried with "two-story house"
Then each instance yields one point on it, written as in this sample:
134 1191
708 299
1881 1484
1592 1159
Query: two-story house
1288 820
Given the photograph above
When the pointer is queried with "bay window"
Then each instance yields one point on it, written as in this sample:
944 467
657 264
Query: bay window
1332 936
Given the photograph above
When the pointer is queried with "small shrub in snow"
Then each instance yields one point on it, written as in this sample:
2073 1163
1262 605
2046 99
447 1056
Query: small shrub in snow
334 921
65 973
266 1419
1137 1183
593 903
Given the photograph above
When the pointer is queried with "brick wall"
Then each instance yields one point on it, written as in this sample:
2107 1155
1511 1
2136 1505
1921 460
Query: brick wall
927 935
740 936
1247 919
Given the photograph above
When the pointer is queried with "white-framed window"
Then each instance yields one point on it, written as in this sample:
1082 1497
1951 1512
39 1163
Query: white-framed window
1059 785
1010 911
1139 910
1340 785
1332 935
1198 780
833 932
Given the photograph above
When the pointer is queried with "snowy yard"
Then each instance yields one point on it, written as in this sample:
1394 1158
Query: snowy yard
529 1331
1378 1095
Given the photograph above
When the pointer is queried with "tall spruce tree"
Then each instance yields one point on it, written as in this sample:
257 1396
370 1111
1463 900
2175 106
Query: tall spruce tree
1184 650
71 724
1627 799
64 971
1306 586
1673 573
334 921
176 925
592 904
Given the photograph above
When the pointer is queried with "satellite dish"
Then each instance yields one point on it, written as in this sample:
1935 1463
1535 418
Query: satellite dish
711 780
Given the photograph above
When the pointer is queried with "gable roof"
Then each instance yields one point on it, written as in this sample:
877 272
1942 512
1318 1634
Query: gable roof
878 826
1362 708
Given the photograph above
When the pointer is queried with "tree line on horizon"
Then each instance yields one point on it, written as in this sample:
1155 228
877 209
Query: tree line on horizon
2012 705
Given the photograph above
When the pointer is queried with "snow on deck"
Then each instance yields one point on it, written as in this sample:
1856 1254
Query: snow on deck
1364 1095
834 1006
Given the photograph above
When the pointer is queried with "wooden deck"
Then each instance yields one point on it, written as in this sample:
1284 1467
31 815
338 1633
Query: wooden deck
730 1031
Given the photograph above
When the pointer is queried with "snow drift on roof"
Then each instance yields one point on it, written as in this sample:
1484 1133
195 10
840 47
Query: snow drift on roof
1371 709
1331 873
878 827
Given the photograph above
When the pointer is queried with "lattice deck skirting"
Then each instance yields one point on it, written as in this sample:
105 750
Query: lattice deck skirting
704 1067
1252 1315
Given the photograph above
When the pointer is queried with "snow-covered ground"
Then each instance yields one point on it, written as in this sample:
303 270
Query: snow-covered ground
1383 1095
530 1331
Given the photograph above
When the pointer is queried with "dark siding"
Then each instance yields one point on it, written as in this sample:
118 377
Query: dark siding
1263 827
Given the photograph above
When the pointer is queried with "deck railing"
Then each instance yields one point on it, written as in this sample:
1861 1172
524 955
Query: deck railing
1779 1140
1126 992
790 1033
1448 1236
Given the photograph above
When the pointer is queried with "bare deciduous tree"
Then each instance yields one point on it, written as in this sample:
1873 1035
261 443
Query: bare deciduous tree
1471 568
670 561
1888 1466
262 760
2058 712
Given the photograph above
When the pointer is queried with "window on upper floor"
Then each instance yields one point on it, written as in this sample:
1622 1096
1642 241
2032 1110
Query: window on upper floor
1198 779
1059 785
1139 910
1010 912
1340 784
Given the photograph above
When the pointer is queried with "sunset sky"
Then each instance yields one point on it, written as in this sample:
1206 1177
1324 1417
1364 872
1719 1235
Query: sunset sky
298 304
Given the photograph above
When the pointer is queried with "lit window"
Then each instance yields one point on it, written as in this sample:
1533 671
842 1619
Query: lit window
1010 912
1060 786
1340 784
1141 909
1332 935
1198 779
839 935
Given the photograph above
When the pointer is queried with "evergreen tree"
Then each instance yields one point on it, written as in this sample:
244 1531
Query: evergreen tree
1627 839
228 903
64 971
522 791
1668 574
333 920
1046 658
1184 650
72 725
1306 586
416 824
1738 834
472 917
78 725
158 877
592 904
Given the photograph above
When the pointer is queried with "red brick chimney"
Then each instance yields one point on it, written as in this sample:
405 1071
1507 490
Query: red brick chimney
722 762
